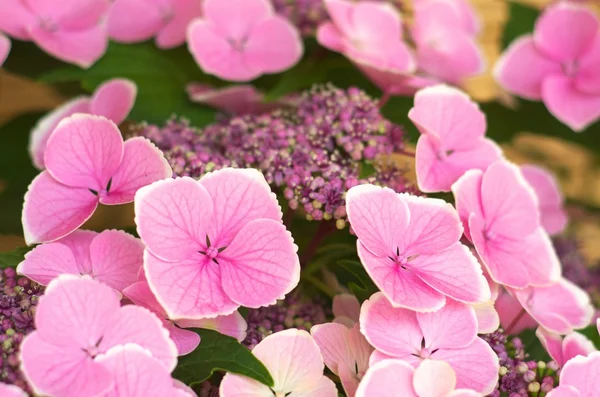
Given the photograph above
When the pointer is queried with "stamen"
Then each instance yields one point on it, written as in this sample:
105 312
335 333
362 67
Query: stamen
95 193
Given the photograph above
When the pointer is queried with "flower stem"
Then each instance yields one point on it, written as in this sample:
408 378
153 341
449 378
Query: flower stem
384 99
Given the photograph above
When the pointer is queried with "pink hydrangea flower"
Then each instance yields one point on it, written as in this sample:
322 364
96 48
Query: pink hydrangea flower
345 351
432 378
579 377
499 211
346 309
11 391
446 47
216 244
560 307
452 137
410 247
559 69
87 163
137 373
4 48
186 341
370 35
239 40
293 359
563 349
132 21
113 100
70 30
112 257
550 200
77 320
449 334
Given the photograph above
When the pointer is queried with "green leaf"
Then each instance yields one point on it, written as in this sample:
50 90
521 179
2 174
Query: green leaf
160 75
27 59
533 346
330 253
353 274
14 257
218 352
592 333
521 21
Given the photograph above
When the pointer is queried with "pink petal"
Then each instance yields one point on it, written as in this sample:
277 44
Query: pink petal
293 359
15 17
388 378
580 22
81 47
236 18
273 46
403 287
330 37
70 14
357 362
522 68
588 76
140 294
130 21
136 373
341 12
564 391
378 356
116 258
135 324
237 99
333 343
324 388
114 99
482 376
173 33
184 390
11 391
232 325
570 106
260 265
346 305
48 261
488 319
391 330
185 341
240 196
84 151
234 385
4 48
374 23
553 216
40 134
434 19
467 198
188 288
553 343
434 378
453 326
379 217
576 344
464 393
65 371
143 163
513 317
53 210
582 373
79 243
173 216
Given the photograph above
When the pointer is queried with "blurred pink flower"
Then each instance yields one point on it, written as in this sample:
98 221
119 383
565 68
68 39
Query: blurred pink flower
579 377
563 349
4 48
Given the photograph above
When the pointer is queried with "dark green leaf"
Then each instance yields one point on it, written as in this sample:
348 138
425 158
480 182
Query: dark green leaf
533 346
353 274
521 20
592 333
27 59
366 170
330 253
14 257
218 352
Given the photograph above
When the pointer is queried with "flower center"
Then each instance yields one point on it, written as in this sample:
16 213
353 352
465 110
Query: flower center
570 68
93 350
401 260
166 13
48 25
211 251
238 44
425 352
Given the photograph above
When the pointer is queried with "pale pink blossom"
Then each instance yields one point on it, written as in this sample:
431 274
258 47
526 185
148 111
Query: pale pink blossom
4 48
239 40
70 30
215 244
113 99
77 320
410 247
579 377
87 163
452 137
11 391
559 69
563 349
295 363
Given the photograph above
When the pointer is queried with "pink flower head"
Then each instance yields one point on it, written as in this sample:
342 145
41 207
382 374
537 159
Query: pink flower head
236 99
346 309
579 377
563 349
499 211
410 247
345 351
550 200
87 163
131 21
239 40
70 30
11 391
4 48
293 359
137 373
112 257
216 244
113 100
560 69
446 48
370 35
432 378
233 324
452 137
560 307
77 320
449 334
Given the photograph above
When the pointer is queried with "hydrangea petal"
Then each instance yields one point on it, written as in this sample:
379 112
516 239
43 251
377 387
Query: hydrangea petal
79 242
130 21
388 378
453 326
47 261
173 33
70 14
588 76
15 16
333 343
564 391
232 325
236 99
553 216
173 216
4 48
114 99
434 378
467 197
261 264
576 344
346 305
239 386
52 210
488 319
236 18
11 391
140 294
84 151
330 37
581 373
324 388
341 12
512 318
185 341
